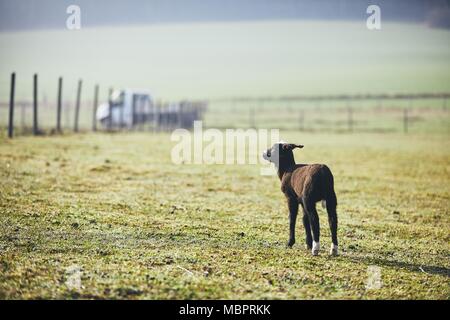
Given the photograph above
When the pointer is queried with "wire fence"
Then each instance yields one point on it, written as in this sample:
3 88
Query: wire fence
412 115
382 113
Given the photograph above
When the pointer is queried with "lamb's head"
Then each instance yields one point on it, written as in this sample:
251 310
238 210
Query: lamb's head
280 151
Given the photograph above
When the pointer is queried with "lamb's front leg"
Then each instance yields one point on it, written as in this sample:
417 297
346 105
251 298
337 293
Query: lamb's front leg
293 211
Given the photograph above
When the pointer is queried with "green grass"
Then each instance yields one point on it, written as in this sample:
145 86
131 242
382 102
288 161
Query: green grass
141 227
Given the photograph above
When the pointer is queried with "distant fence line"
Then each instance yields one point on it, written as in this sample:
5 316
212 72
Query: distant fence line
253 112
163 116
341 97
431 115
310 115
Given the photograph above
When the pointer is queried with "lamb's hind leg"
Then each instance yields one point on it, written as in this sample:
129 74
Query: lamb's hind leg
333 221
310 207
307 226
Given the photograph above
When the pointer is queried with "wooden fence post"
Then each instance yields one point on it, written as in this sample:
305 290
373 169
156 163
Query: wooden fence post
180 115
145 109
405 120
110 92
156 122
22 116
302 120
121 116
11 106
94 116
145 114
350 118
35 105
134 111
77 106
252 117
161 119
59 106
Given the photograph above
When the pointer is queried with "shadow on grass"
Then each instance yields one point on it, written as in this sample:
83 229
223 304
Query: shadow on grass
421 268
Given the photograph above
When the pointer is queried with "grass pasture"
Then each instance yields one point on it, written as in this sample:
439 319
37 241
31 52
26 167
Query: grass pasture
139 226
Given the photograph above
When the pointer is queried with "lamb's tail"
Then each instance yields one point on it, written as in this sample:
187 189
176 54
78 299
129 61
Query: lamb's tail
330 195
330 201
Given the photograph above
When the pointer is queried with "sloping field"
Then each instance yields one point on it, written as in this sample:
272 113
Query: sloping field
134 225
213 60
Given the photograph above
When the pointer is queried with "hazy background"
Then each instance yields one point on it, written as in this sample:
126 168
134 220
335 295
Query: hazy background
212 49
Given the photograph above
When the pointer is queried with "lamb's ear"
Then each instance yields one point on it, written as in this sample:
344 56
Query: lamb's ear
291 146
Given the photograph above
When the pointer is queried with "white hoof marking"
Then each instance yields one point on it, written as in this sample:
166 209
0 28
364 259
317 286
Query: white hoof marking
315 248
334 250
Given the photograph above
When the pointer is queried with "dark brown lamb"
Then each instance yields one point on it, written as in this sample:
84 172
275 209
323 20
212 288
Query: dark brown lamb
305 185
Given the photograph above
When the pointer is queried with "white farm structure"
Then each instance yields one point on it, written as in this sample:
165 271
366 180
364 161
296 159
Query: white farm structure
130 107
